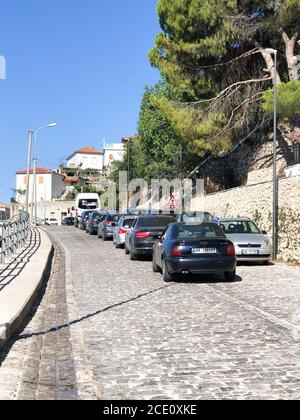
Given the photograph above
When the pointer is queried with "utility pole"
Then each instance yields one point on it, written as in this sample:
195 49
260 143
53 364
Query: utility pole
30 136
275 181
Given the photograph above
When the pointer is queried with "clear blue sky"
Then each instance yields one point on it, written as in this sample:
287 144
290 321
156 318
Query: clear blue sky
80 63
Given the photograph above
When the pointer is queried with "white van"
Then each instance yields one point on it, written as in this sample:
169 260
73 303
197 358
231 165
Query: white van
86 202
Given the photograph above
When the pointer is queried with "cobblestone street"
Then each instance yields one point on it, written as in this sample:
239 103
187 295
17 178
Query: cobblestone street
109 328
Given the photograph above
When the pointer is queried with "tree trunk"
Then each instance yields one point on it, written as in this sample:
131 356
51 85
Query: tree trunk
269 60
292 60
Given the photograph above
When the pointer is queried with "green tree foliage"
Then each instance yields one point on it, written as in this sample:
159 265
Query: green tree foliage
288 100
213 52
155 152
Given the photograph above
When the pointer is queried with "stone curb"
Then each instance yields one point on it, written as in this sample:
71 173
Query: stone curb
17 299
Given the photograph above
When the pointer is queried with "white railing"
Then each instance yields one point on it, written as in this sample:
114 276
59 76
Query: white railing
13 236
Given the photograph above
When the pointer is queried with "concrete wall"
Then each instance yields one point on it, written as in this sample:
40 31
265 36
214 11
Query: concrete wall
255 201
54 209
58 186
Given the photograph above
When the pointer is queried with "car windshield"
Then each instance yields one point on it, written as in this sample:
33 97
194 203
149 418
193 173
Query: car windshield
196 217
155 221
239 227
88 204
197 231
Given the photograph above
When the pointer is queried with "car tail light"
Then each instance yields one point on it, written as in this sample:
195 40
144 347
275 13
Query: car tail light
142 235
95 222
122 231
176 251
230 249
108 223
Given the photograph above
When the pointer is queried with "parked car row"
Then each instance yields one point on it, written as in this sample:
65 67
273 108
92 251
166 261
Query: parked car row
182 244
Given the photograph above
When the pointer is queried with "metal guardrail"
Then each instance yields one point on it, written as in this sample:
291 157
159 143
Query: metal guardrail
295 149
13 235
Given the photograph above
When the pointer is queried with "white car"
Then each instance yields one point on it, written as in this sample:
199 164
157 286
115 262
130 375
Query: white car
124 225
251 244
51 222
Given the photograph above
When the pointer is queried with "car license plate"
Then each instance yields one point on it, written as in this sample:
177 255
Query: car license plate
250 252
204 251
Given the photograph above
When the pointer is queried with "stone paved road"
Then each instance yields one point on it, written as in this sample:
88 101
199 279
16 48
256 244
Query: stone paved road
133 337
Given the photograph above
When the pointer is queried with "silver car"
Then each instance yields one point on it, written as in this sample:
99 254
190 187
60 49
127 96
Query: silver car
124 225
251 244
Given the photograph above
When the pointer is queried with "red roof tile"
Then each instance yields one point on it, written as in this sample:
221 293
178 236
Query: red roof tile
89 150
71 179
38 171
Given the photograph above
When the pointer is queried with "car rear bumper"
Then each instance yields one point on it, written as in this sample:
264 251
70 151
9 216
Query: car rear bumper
143 248
253 258
194 266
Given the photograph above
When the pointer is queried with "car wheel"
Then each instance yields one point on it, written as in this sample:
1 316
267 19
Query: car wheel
155 267
127 252
167 277
230 275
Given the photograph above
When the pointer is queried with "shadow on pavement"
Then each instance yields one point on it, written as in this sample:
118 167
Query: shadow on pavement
84 318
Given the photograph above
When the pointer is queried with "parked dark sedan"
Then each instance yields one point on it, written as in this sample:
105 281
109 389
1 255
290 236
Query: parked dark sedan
194 249
107 226
145 230
93 222
83 220
68 221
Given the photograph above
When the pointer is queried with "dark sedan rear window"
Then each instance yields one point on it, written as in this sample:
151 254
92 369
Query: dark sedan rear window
112 218
158 221
197 231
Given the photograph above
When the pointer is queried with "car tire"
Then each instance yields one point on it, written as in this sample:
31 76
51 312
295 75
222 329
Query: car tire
155 267
167 277
127 252
230 275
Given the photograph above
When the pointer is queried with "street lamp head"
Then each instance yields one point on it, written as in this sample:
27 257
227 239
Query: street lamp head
271 51
52 125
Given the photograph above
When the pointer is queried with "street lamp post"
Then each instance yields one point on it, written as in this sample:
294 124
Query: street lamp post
30 134
34 189
275 183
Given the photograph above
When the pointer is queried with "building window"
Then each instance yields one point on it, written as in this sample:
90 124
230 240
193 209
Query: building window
111 157
25 180
41 180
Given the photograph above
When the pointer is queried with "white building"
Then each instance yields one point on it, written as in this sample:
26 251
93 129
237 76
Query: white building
50 185
4 212
113 152
86 158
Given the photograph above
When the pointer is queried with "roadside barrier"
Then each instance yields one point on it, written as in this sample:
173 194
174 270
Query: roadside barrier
13 236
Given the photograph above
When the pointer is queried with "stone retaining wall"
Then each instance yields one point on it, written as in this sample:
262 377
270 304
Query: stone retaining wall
255 201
